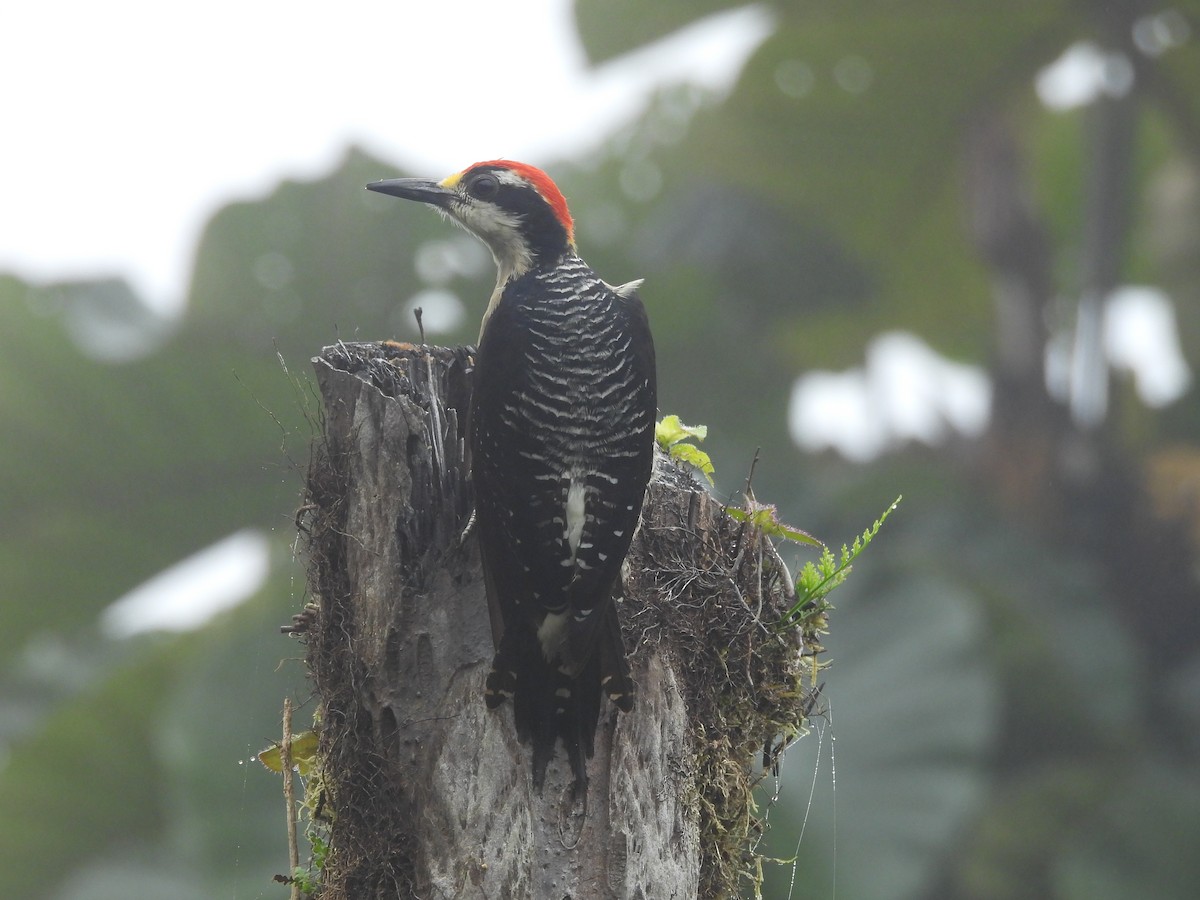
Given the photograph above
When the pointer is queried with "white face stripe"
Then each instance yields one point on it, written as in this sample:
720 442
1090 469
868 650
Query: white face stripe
497 228
508 176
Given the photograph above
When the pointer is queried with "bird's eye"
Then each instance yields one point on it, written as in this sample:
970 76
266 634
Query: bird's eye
484 186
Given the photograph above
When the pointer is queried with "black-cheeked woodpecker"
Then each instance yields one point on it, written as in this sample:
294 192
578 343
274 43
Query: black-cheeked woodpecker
561 439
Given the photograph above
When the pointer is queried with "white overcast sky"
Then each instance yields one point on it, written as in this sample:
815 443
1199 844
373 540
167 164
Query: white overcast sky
129 122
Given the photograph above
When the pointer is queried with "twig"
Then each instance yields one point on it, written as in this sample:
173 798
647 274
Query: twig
749 494
417 314
750 475
289 796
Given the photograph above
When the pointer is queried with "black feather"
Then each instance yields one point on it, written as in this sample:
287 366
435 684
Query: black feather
564 407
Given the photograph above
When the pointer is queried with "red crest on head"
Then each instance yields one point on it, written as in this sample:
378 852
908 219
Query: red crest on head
540 180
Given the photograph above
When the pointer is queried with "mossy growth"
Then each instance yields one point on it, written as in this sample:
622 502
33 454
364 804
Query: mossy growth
746 639
720 600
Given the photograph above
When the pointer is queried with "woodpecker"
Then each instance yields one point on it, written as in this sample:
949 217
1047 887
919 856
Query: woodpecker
561 437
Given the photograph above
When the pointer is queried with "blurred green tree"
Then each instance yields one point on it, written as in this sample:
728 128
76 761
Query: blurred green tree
1017 667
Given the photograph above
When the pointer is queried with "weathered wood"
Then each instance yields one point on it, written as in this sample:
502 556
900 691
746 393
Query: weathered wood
431 791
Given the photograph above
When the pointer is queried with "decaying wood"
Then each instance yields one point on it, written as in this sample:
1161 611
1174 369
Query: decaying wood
430 791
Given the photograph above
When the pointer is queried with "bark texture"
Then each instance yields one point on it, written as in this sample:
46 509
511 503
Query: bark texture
431 793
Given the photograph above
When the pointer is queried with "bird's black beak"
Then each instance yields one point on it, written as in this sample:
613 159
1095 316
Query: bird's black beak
420 189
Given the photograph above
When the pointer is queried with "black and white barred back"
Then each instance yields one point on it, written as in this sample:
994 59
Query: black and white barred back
562 435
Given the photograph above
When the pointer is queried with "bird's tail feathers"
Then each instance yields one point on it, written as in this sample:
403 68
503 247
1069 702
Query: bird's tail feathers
549 705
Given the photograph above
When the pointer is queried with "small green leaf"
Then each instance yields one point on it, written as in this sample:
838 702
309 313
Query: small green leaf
815 582
694 456
765 517
670 431
304 754
672 436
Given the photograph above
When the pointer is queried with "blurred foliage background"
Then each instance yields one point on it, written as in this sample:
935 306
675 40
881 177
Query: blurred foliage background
1014 704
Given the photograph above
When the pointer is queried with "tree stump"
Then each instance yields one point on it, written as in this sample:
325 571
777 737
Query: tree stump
430 792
